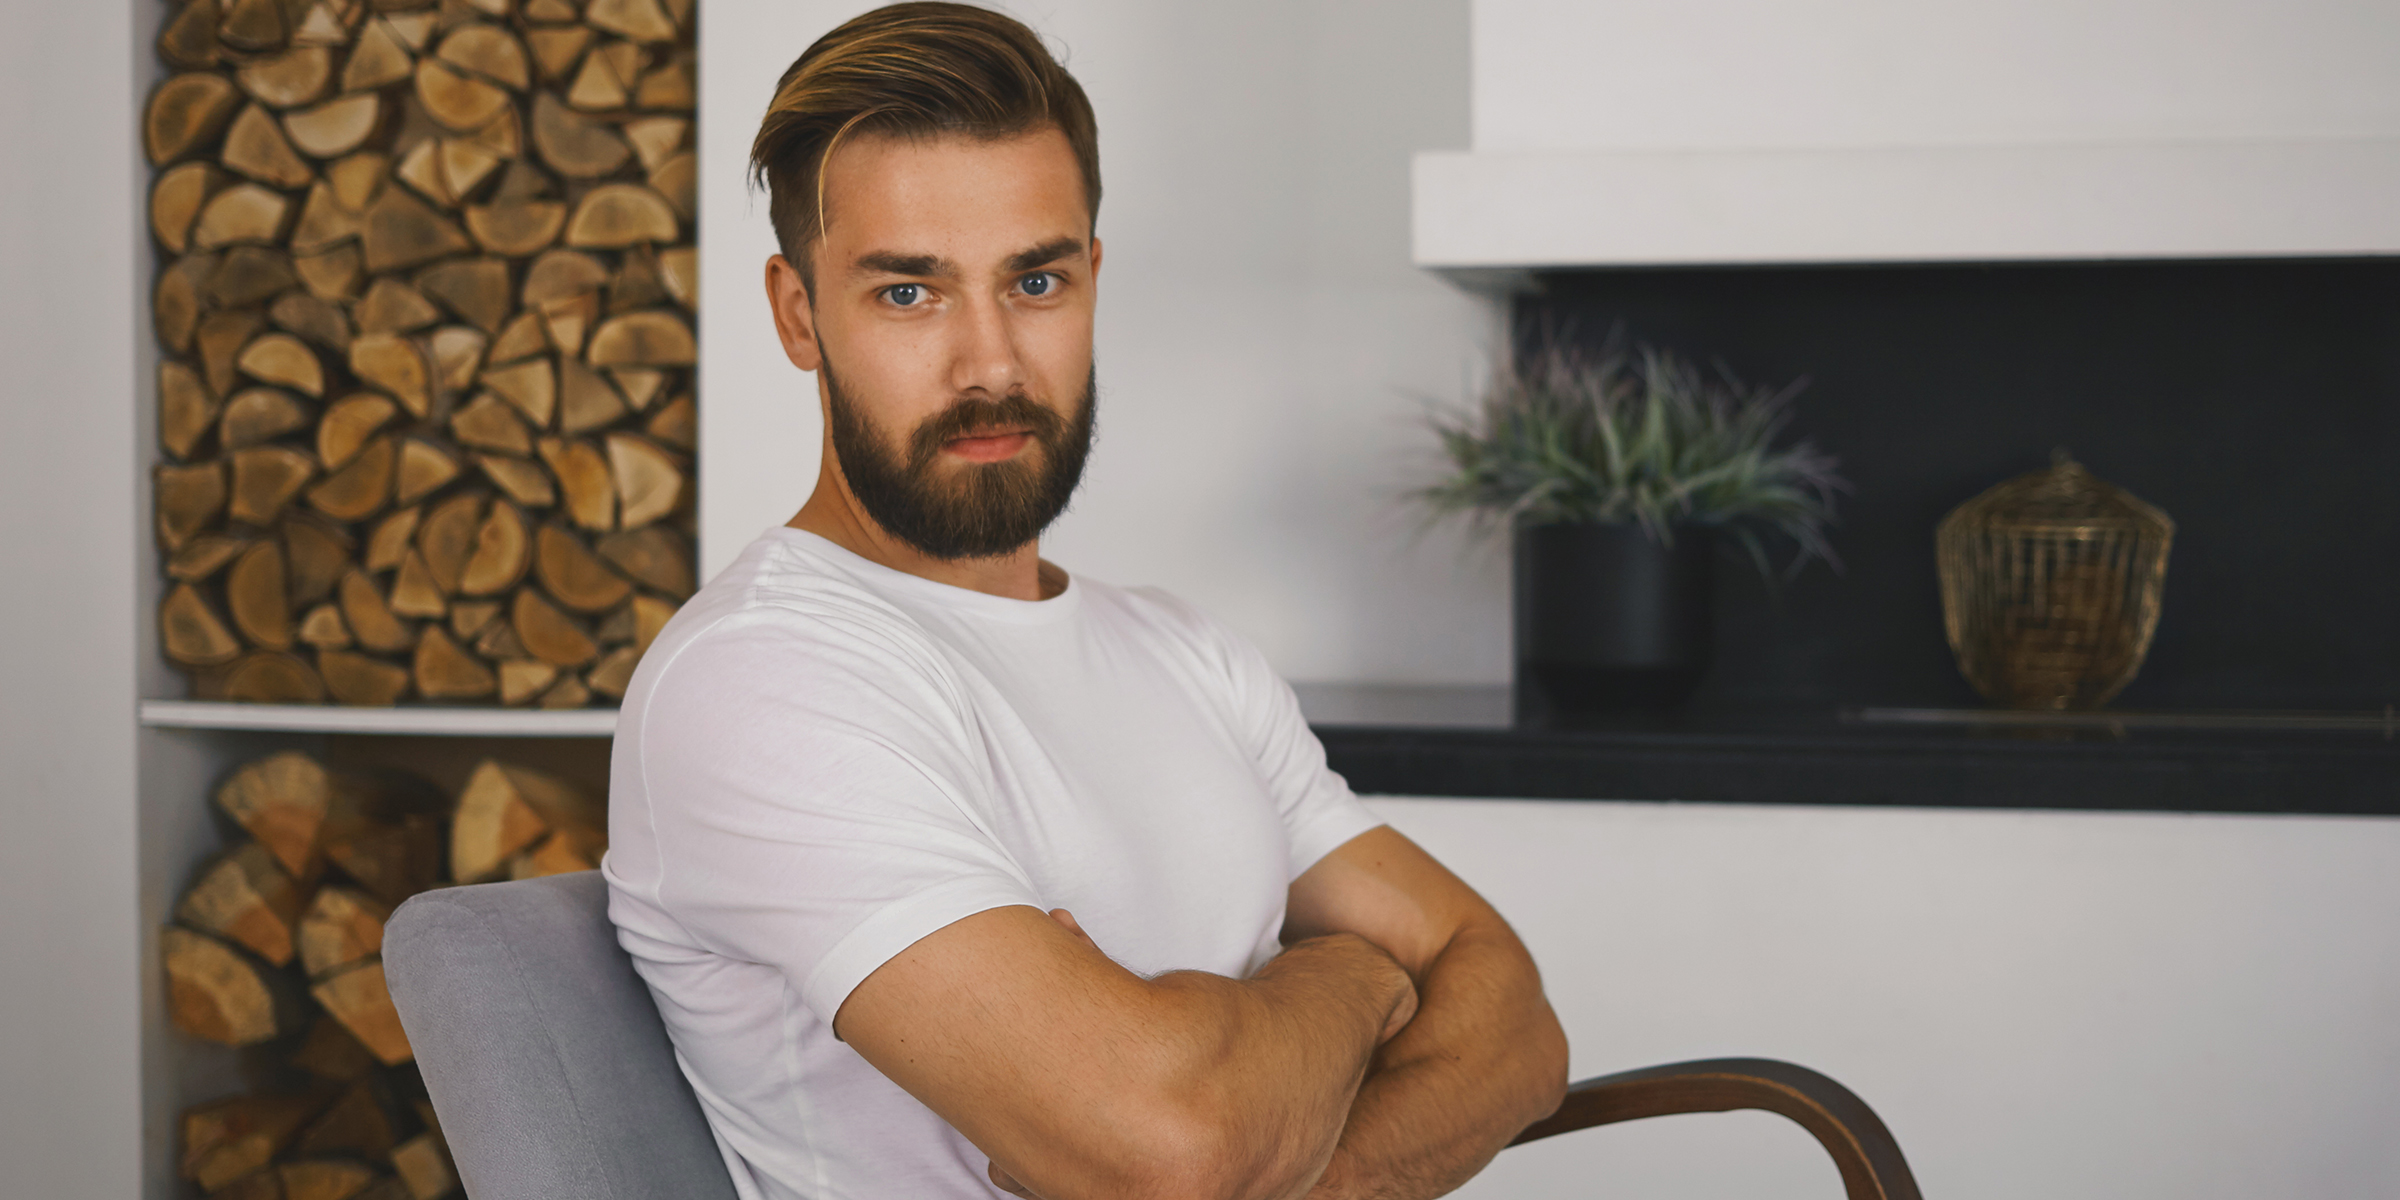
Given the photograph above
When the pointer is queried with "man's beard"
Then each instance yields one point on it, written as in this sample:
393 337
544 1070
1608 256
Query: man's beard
983 510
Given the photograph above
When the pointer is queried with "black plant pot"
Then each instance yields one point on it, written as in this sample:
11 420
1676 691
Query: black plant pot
1609 620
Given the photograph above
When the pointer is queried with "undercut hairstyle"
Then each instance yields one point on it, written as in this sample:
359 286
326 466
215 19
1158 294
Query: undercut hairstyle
915 70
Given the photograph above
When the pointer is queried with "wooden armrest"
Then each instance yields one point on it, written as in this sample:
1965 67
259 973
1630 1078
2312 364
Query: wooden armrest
1870 1161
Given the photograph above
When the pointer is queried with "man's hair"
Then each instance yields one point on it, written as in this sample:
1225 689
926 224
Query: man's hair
910 70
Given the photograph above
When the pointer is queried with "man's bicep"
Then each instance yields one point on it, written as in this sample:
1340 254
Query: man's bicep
1384 888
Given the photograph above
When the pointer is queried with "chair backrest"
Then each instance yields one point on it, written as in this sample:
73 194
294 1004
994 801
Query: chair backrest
545 1058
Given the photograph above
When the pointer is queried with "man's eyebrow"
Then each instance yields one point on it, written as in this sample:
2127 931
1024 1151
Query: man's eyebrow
885 262
1043 255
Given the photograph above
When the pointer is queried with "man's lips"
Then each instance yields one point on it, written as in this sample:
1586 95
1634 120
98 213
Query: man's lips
988 446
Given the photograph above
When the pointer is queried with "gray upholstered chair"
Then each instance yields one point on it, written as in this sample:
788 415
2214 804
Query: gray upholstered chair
554 1080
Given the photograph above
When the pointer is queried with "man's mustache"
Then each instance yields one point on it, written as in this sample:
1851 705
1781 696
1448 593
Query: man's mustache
970 414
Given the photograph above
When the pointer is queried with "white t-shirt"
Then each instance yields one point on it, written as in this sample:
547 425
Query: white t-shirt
822 760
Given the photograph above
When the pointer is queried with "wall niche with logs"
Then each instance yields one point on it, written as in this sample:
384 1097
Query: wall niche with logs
425 295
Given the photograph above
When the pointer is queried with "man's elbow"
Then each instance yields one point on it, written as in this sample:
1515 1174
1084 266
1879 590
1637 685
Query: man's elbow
1543 1070
1198 1151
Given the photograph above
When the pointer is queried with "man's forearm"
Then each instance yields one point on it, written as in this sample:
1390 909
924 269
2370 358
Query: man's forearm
1483 1058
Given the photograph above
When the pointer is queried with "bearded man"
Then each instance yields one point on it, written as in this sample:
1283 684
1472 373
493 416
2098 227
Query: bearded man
952 872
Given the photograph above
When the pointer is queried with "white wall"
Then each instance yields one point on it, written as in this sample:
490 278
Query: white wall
2054 1005
1753 74
1264 345
70 972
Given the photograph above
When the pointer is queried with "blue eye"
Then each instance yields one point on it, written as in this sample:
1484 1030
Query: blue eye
905 295
1038 284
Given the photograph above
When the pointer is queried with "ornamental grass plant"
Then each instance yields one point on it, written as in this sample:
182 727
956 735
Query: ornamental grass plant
1636 435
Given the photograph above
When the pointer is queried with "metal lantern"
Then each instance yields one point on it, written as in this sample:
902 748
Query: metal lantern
2050 587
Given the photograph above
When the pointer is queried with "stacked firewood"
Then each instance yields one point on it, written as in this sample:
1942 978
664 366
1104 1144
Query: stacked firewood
279 946
425 297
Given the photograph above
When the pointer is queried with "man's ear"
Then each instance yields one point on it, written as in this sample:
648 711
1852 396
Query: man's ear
1095 256
795 320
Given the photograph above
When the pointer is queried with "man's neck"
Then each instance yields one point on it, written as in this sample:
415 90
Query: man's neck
834 513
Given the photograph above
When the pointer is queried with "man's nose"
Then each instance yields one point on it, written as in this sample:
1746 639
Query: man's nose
985 353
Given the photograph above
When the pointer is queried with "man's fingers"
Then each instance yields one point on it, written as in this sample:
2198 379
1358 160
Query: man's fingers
1003 1180
1067 919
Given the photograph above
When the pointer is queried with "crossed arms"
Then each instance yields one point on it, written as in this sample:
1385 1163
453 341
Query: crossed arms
1398 1043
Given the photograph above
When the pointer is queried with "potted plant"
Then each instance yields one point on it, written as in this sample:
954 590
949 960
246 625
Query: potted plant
1619 474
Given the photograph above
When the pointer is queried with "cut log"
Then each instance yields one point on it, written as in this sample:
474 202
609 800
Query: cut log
564 851
219 341
315 320
446 672
295 77
349 424
583 478
269 677
359 179
656 139
468 617
567 320
516 228
189 42
186 112
204 556
175 302
521 338
669 87
548 634
475 289
254 24
424 1166
316 552
614 672
640 20
191 633
254 146
188 499
360 1123
414 593
501 553
524 482
587 400
503 810
598 87
391 306
360 1001
265 478
556 51
329 1052
415 28
392 860
574 145
466 163
639 385
332 275
218 994
424 467
358 680
245 898
529 386
458 101
504 137
447 537
655 338
381 58
654 556
562 275
283 360
340 927
522 680
678 179
185 409
499 642
616 215
361 487
421 168
457 354
371 620
677 425
256 596
224 1140
396 365
551 10
336 127
261 1184
323 629
649 479
243 213
247 276
636 284
616 628
281 800
401 232
178 196
567 693
574 575
679 269
525 181
259 414
490 423
392 538
650 615
324 1179
488 51
321 26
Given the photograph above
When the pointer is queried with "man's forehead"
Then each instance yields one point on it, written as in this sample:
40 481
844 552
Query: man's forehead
972 201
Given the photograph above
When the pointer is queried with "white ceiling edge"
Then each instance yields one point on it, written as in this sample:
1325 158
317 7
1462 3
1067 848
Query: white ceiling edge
1487 219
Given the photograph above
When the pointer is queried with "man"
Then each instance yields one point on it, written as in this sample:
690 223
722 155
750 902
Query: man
952 872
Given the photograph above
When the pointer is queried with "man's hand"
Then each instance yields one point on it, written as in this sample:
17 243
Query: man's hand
1080 1079
1483 1057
